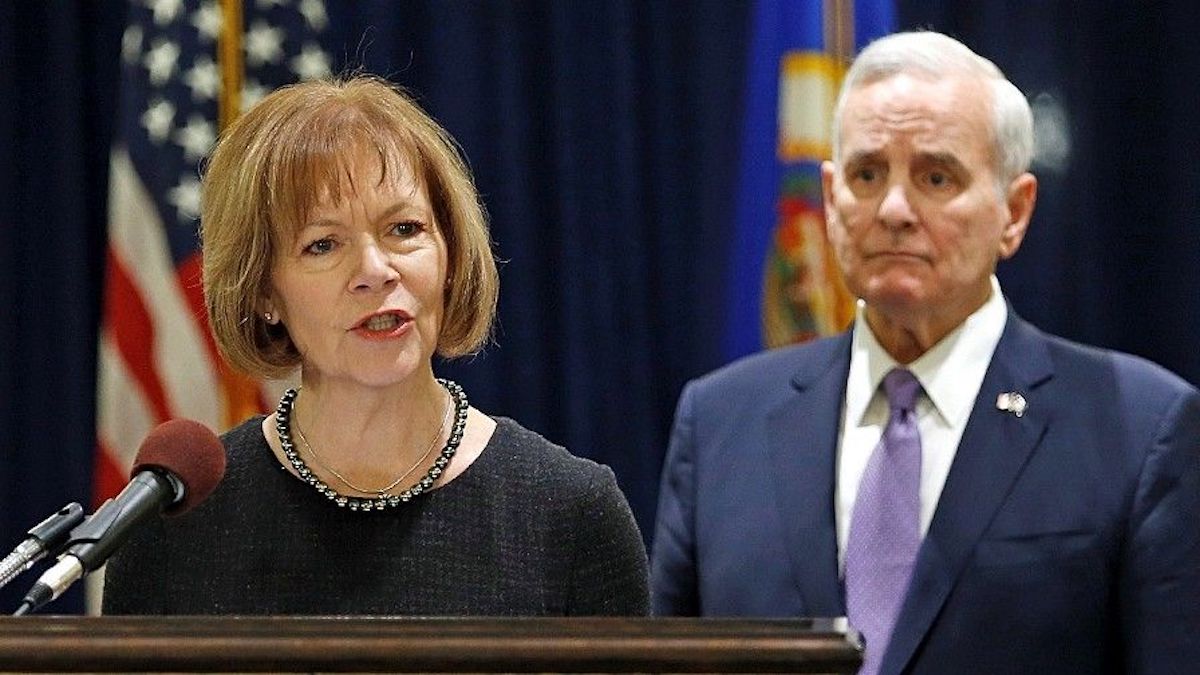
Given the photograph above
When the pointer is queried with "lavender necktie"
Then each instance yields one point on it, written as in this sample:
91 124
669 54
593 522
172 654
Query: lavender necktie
885 528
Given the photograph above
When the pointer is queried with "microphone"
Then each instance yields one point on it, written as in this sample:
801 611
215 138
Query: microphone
177 466
45 538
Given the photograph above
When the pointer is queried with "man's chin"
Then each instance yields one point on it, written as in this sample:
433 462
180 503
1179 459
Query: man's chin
904 294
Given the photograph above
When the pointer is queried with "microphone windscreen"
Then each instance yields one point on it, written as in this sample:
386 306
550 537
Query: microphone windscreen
188 450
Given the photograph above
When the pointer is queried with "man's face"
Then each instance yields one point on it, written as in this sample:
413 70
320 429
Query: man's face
914 209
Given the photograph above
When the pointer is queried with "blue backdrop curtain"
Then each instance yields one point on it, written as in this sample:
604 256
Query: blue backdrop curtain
58 68
598 133
604 136
1113 252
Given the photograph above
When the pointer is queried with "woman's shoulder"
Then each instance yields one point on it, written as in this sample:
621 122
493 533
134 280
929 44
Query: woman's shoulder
526 455
245 446
251 474
246 435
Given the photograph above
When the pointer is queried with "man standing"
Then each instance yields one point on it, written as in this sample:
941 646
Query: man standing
973 494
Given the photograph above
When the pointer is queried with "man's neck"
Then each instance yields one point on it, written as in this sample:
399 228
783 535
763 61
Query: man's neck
906 335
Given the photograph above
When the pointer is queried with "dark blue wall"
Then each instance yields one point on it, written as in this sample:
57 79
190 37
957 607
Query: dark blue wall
603 135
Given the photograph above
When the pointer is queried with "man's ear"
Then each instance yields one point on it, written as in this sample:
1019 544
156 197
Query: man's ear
828 176
1021 197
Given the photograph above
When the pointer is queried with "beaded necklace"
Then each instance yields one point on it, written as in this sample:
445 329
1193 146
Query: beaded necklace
283 426
381 492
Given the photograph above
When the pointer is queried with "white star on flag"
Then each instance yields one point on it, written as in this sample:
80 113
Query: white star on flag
203 78
157 119
252 92
207 20
160 61
196 138
185 197
314 14
312 63
165 11
264 44
131 44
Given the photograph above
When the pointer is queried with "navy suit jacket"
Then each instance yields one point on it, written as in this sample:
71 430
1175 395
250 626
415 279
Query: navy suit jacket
1066 540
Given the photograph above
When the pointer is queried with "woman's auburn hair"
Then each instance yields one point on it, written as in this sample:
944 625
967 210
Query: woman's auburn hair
295 147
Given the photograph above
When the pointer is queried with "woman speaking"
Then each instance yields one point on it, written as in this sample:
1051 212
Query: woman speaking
343 235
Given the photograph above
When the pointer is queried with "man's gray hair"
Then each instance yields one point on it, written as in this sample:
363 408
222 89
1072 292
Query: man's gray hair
936 55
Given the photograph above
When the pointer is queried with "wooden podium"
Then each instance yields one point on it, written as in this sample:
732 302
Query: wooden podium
431 645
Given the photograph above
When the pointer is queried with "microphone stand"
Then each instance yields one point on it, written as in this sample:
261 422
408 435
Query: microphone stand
46 538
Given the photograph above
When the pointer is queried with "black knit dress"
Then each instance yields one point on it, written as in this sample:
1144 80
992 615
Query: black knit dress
526 530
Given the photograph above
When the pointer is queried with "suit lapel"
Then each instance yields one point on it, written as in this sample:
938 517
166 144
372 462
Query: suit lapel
802 435
995 446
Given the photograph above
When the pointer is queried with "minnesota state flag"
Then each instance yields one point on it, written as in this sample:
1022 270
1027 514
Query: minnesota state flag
784 283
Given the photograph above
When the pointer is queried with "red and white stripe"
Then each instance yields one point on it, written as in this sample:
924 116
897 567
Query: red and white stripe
156 361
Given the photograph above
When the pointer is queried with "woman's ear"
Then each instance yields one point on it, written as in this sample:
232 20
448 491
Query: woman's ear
266 309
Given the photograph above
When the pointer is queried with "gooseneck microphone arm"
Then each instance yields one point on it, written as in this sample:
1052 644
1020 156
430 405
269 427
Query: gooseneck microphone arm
178 465
98 537
46 538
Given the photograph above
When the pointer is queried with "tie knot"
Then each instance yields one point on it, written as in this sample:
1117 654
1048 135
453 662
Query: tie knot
901 387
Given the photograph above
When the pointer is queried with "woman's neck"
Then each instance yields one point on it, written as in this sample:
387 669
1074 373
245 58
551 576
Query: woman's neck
371 433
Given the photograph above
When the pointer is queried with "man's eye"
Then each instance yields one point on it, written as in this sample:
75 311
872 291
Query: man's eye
939 179
865 175
320 247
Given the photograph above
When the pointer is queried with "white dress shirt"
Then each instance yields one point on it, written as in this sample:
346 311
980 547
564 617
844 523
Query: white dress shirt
950 374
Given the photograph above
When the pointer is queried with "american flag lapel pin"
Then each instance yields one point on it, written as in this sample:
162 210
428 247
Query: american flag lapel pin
1012 402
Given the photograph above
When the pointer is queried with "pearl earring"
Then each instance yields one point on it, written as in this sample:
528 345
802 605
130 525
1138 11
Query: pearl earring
268 317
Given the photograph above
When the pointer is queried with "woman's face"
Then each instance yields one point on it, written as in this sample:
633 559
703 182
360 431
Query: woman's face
360 286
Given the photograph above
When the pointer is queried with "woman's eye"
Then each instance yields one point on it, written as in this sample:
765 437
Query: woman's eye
320 247
406 229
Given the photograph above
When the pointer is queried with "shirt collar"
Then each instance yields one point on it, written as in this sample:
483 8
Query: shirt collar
951 371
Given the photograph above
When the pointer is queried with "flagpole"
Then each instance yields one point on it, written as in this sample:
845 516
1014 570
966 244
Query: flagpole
839 29
229 58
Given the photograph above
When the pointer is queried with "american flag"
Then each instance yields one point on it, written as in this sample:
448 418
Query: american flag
157 359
